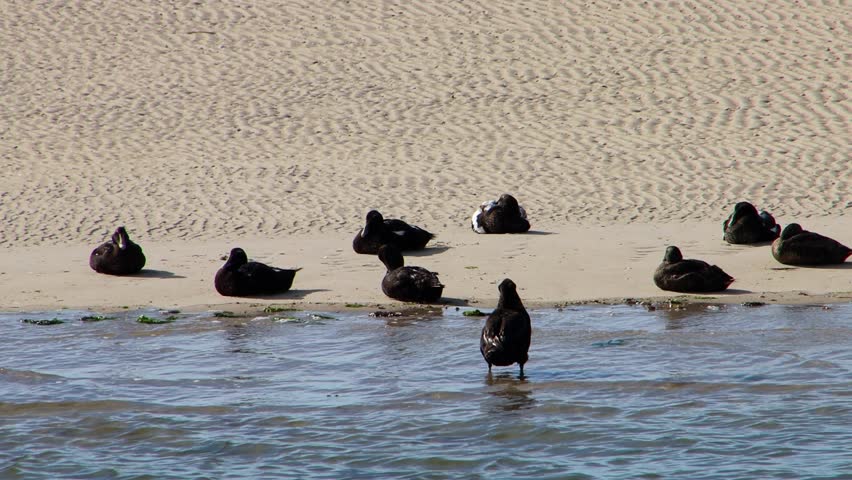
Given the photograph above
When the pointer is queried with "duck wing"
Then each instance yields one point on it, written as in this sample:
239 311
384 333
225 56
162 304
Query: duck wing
412 284
497 220
809 248
691 276
110 259
101 255
261 278
406 236
749 229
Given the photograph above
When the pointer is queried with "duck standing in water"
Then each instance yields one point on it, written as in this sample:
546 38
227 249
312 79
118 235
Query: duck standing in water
239 277
378 232
505 338
503 215
745 225
408 284
118 256
796 246
689 276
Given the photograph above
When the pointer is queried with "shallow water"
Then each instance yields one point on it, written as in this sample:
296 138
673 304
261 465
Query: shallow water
610 392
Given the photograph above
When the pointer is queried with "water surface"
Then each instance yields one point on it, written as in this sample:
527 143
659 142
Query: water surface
609 392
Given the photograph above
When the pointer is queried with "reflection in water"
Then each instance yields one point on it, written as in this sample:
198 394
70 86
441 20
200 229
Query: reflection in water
610 392
238 336
512 390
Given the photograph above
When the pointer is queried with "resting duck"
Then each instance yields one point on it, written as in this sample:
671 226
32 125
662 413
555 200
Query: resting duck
746 225
503 215
506 335
800 247
118 256
689 276
239 277
408 284
378 232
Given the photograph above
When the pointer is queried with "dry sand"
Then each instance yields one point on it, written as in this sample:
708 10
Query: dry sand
275 126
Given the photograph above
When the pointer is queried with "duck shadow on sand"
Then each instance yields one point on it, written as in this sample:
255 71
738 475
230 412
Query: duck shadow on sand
839 266
426 252
731 291
538 232
295 294
147 273
453 302
767 243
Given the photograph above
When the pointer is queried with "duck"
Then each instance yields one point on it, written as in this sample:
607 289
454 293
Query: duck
503 215
505 338
746 225
379 231
796 246
118 256
689 276
240 278
408 284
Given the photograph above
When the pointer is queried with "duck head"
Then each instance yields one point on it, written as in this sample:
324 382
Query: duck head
743 209
791 230
508 202
672 255
767 219
509 295
391 257
120 238
375 220
236 259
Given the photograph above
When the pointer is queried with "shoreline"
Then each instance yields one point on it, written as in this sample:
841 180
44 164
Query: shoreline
569 265
672 302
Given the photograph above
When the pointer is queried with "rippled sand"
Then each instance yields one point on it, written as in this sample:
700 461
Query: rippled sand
210 124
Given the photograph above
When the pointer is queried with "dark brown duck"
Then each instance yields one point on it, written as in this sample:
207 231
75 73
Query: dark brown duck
505 338
378 231
408 284
118 256
745 225
796 246
240 278
504 215
689 276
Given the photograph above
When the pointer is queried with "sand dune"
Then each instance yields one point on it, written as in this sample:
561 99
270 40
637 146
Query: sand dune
212 122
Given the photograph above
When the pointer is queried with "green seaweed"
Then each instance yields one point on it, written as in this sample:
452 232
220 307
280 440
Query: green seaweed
154 321
43 321
474 313
355 305
96 318
678 301
225 314
278 308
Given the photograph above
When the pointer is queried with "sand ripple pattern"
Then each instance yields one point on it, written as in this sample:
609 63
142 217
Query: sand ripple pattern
211 119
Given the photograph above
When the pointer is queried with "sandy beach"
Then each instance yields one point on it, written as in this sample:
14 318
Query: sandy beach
276 126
